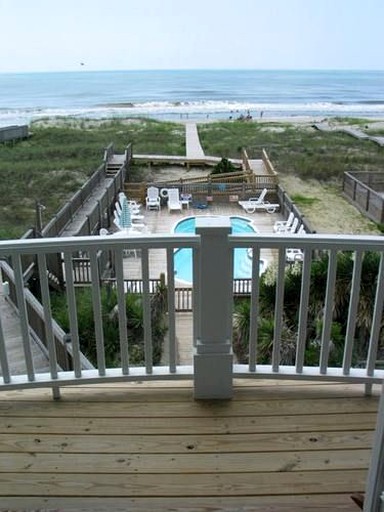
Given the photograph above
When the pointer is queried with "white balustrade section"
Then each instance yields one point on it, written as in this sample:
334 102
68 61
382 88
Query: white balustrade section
310 244
212 306
213 368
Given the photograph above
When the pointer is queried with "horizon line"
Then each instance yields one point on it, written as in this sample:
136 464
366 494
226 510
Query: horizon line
85 70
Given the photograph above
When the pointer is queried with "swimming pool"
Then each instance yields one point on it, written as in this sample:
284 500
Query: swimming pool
242 264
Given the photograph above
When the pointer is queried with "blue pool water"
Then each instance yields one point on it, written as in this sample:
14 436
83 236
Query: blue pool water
242 265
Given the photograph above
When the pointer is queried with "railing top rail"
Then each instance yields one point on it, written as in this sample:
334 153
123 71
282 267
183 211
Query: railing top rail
312 241
45 245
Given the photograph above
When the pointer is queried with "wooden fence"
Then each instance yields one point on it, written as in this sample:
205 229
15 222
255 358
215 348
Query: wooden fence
365 190
183 295
287 206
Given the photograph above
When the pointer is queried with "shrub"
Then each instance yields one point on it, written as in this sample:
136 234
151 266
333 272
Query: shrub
135 329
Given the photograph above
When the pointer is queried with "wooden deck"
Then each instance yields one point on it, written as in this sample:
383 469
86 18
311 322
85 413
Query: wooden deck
275 447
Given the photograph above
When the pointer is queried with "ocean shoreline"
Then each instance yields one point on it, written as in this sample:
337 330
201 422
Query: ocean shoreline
196 95
299 121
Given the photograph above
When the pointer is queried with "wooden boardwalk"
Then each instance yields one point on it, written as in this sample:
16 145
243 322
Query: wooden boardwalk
277 446
194 149
353 132
10 323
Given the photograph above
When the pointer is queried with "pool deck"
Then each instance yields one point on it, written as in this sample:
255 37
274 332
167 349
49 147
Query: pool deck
163 222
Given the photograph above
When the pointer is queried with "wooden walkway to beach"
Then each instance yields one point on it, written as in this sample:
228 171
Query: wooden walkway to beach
195 154
193 145
353 132
10 324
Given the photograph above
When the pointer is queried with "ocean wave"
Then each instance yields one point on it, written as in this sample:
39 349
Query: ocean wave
176 109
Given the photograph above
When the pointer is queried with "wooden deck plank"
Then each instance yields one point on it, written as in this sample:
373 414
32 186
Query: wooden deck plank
288 503
191 463
168 426
277 447
182 390
218 484
191 409
186 443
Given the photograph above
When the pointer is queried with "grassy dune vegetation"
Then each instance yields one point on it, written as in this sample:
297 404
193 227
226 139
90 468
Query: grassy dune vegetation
310 164
60 155
293 149
56 160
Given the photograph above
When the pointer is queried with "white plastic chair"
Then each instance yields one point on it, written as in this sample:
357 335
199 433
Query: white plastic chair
152 201
280 225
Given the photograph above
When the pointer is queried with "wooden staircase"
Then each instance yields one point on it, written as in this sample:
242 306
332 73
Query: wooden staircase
113 165
112 169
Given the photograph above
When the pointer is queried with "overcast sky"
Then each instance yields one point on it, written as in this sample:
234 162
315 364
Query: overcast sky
59 35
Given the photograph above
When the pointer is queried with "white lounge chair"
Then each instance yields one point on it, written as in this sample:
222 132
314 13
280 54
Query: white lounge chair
280 225
291 229
257 204
152 201
301 230
174 202
136 227
134 206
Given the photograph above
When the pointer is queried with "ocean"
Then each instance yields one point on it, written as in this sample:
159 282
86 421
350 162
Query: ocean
192 94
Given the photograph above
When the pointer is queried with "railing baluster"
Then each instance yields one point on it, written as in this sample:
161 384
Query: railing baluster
253 324
122 312
279 304
148 348
24 324
303 312
352 312
376 319
72 313
328 312
44 288
3 357
97 313
196 255
171 310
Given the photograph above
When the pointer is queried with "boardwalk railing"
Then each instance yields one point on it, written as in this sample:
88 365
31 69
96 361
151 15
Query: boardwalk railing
37 324
12 133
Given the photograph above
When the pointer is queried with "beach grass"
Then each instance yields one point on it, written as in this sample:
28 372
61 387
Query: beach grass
61 154
56 160
293 149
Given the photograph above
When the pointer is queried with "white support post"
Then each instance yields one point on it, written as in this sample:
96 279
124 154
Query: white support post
375 478
213 358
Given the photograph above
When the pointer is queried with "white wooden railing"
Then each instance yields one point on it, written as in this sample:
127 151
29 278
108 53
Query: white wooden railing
213 367
212 306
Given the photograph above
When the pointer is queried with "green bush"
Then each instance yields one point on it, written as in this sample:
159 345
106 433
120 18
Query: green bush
224 166
135 330
290 314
